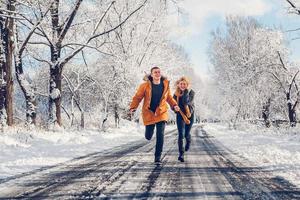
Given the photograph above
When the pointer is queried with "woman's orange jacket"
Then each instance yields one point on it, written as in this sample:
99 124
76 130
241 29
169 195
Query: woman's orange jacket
161 112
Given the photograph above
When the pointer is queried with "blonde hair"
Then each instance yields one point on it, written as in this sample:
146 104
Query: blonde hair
183 78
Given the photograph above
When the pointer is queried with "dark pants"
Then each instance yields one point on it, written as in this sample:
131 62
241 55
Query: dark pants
183 132
160 129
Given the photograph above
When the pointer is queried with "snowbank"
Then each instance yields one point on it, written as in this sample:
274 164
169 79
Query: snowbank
277 150
23 150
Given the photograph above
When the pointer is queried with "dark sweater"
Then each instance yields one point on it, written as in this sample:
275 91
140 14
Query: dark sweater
186 99
156 94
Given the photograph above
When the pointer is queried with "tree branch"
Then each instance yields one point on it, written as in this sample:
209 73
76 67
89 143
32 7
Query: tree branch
32 31
281 61
293 80
69 21
42 43
40 29
88 46
41 60
66 59
293 6
101 19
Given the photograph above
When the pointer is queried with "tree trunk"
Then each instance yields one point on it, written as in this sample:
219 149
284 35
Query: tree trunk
26 87
77 101
117 118
82 120
291 111
266 113
55 95
237 116
2 104
8 64
3 117
292 117
28 92
105 114
58 34
72 110
54 110
58 100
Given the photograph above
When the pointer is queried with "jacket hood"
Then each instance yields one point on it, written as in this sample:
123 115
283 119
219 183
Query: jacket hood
148 77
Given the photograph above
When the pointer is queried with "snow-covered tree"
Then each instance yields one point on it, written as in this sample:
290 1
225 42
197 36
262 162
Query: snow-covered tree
22 38
96 53
7 20
246 58
60 33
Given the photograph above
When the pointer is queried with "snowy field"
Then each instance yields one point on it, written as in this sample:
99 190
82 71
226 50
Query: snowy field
24 150
277 150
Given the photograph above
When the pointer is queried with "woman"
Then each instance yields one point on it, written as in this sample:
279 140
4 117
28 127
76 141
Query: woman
185 117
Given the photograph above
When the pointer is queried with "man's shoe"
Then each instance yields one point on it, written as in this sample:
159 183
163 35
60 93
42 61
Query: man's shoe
157 161
180 158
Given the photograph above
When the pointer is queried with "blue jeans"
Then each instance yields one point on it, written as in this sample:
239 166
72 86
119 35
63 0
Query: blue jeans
183 132
160 129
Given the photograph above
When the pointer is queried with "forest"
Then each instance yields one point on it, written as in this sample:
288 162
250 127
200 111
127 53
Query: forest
75 63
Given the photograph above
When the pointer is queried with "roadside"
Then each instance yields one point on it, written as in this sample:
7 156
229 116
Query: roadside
272 149
27 150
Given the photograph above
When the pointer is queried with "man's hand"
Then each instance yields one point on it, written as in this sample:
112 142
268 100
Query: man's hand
130 114
132 111
176 108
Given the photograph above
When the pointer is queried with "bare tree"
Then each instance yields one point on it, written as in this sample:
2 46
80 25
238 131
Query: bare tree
6 25
3 48
25 85
81 80
58 41
292 95
243 59
57 63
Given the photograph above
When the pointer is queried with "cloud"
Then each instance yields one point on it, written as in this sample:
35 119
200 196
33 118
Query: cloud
198 11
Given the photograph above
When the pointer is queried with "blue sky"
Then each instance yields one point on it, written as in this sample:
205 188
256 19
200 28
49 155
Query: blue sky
200 17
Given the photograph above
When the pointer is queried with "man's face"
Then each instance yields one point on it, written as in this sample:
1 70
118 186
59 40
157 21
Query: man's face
155 74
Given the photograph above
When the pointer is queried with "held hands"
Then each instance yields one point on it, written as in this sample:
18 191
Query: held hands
176 108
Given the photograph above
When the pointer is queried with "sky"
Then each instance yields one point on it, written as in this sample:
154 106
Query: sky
198 18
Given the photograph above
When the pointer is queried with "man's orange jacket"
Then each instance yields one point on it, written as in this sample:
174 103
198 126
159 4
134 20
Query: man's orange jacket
161 112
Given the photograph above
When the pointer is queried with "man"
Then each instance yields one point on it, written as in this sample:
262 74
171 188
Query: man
156 94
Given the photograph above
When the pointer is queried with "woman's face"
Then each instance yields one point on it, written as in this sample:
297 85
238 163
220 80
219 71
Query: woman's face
182 85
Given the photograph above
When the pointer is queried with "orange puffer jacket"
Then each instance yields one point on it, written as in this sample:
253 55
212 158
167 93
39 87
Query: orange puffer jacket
161 112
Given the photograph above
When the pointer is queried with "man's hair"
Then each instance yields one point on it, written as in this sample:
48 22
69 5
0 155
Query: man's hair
153 68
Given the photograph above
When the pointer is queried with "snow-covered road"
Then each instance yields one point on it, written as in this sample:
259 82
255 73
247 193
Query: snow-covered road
211 171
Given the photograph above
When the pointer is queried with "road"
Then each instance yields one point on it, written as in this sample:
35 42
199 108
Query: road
127 172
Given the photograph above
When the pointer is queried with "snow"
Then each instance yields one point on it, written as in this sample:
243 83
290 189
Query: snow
276 150
55 93
26 150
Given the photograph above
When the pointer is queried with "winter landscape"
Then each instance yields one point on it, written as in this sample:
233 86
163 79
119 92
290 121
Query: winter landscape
78 91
